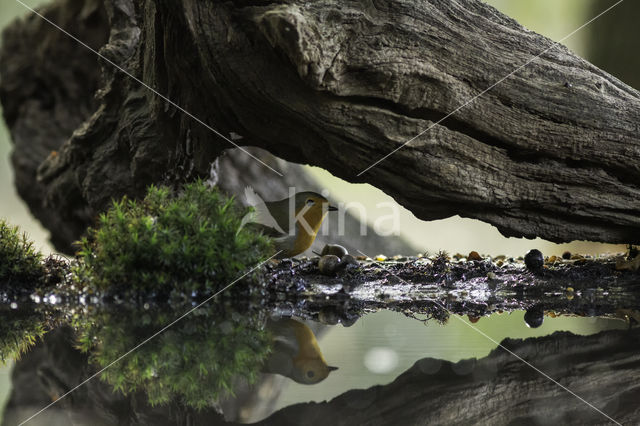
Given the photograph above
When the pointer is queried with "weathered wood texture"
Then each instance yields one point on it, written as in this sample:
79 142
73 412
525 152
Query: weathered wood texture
552 151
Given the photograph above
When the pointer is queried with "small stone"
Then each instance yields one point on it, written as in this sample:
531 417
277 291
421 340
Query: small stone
348 262
328 316
474 256
472 319
552 259
577 257
348 259
381 258
566 255
491 275
499 263
534 259
632 265
534 317
569 293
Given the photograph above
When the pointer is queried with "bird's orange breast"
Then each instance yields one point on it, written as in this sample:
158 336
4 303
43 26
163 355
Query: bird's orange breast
306 235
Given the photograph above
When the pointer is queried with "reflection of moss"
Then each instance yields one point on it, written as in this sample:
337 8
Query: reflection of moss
19 330
197 360
190 240
20 265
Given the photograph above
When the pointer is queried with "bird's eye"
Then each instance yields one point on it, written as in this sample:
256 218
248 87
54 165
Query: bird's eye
310 374
310 202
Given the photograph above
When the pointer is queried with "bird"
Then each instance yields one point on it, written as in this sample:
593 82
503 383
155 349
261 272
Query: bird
292 222
295 352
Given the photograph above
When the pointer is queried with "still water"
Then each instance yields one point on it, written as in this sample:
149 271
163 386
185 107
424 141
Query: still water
231 359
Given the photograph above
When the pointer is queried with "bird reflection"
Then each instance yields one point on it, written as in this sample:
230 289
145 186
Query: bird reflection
296 353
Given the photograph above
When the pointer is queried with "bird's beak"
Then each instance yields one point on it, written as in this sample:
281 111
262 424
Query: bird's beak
332 368
332 208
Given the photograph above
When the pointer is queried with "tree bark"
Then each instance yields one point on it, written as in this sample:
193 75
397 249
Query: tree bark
551 151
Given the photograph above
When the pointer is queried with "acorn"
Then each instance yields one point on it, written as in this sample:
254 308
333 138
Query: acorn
328 264
334 249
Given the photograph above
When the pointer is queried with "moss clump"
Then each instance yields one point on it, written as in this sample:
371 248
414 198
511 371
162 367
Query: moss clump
19 330
197 360
191 240
20 263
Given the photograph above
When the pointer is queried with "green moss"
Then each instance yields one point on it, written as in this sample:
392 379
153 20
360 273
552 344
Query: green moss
196 360
19 330
20 262
190 240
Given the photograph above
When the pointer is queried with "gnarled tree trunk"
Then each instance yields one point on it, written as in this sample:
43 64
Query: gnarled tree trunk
551 151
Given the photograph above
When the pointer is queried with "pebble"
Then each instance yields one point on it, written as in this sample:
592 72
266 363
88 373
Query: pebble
534 317
474 256
473 319
534 259
347 259
569 293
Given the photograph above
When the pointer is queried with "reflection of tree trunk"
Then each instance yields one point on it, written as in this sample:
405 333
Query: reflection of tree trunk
614 40
603 369
550 151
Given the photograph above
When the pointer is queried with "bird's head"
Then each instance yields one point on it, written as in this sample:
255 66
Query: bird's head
311 371
312 207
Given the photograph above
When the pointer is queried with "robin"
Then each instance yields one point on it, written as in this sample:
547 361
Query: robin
293 222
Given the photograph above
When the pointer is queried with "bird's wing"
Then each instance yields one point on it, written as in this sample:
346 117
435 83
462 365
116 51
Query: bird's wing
260 214
252 196
266 230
